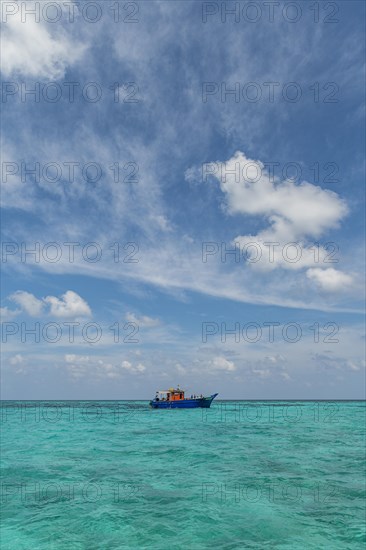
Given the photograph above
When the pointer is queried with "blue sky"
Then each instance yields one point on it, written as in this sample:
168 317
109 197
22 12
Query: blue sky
198 171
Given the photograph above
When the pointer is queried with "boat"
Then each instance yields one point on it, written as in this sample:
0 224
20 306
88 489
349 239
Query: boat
175 399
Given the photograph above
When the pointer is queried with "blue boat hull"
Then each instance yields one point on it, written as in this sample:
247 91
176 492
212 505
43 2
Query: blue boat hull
202 402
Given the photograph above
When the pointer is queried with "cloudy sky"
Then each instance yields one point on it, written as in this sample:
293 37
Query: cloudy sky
182 199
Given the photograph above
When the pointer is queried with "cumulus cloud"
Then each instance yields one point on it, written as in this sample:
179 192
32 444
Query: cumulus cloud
16 360
29 48
133 369
28 302
69 304
18 363
278 358
330 280
142 321
77 365
294 212
220 363
7 314
293 209
81 366
262 373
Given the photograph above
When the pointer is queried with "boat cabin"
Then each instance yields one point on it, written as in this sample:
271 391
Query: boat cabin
170 395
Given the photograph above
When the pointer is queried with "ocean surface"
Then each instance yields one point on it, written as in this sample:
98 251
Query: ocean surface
108 475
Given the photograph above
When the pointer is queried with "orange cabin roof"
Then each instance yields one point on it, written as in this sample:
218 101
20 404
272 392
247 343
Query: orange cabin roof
173 394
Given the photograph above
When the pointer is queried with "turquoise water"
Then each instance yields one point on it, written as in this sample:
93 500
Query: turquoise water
105 475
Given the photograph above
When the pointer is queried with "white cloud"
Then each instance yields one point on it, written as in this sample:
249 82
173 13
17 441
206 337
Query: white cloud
143 321
295 212
16 360
352 366
78 366
330 279
18 363
139 368
29 48
275 358
7 314
69 305
28 302
162 222
220 363
262 373
193 175
82 366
